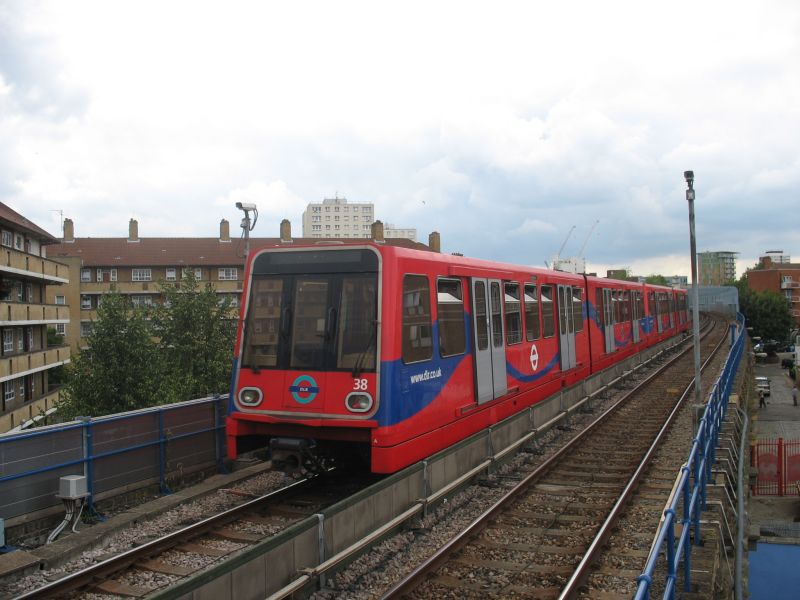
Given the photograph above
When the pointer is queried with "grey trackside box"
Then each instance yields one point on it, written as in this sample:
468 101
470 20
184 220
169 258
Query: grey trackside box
72 486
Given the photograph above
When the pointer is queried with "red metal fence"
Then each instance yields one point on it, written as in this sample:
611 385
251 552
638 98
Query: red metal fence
777 463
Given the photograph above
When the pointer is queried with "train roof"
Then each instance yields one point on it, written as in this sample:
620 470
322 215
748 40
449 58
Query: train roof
401 251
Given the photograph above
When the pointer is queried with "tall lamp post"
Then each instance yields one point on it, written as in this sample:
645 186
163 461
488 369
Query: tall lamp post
689 176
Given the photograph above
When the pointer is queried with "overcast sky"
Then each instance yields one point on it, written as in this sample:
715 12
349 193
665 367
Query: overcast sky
499 124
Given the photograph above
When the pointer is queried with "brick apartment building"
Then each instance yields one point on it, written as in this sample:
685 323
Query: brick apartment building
136 265
780 278
27 360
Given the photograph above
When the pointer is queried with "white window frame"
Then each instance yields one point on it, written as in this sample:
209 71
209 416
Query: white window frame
86 275
61 300
228 274
198 272
86 329
8 340
142 274
171 274
8 394
99 275
86 302
7 239
61 328
19 242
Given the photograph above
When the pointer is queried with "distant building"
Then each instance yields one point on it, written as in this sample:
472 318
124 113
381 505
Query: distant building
716 268
136 266
776 257
390 231
27 277
338 218
678 281
780 278
574 264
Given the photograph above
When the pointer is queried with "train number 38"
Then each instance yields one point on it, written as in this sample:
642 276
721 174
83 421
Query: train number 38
360 384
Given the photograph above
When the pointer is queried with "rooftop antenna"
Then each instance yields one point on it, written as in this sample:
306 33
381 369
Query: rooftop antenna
61 216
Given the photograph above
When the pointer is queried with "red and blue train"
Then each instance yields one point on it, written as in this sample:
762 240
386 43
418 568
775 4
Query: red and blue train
388 354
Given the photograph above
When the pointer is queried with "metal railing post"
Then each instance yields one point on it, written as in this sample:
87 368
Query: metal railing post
162 455
88 458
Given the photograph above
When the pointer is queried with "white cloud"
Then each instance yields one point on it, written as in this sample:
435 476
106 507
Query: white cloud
531 226
470 119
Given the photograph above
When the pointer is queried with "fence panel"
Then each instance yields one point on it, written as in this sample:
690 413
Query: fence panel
116 451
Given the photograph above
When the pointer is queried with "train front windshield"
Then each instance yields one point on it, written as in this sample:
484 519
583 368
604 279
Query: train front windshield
313 311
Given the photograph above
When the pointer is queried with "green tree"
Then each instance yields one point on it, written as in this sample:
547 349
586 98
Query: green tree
196 329
766 312
119 370
656 280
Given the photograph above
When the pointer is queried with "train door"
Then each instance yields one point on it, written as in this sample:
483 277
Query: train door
671 311
636 316
490 355
608 321
659 308
566 328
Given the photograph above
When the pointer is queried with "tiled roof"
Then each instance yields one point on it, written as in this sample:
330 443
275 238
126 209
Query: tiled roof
14 218
196 252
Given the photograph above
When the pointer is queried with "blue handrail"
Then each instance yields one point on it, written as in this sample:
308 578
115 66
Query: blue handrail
692 485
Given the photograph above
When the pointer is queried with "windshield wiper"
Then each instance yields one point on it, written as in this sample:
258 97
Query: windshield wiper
357 367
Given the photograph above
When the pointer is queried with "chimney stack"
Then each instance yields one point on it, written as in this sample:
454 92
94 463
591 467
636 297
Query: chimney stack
377 232
434 241
224 231
286 232
133 231
69 231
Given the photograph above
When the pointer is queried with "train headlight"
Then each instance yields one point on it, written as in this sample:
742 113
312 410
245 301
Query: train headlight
358 402
250 396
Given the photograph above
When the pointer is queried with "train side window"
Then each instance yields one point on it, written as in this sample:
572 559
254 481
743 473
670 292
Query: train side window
548 306
513 317
531 313
417 342
482 332
450 308
577 308
497 314
626 306
598 307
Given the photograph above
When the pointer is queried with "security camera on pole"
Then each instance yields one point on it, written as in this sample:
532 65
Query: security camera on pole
689 176
247 226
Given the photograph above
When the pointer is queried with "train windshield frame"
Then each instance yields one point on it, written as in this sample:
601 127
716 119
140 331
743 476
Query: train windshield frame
313 311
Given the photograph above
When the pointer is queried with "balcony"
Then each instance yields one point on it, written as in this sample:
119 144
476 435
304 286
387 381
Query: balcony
23 313
31 362
150 287
35 267
790 285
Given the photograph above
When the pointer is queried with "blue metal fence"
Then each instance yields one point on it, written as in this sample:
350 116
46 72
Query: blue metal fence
149 445
694 478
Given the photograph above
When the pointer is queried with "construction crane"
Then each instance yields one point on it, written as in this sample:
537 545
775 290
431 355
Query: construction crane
566 239
586 241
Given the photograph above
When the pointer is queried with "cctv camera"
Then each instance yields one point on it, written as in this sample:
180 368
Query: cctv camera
689 176
245 206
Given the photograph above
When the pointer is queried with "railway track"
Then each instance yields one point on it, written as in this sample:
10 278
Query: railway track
160 562
542 538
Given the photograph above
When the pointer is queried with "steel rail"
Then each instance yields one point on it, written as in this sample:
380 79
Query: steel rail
441 556
583 570
105 569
